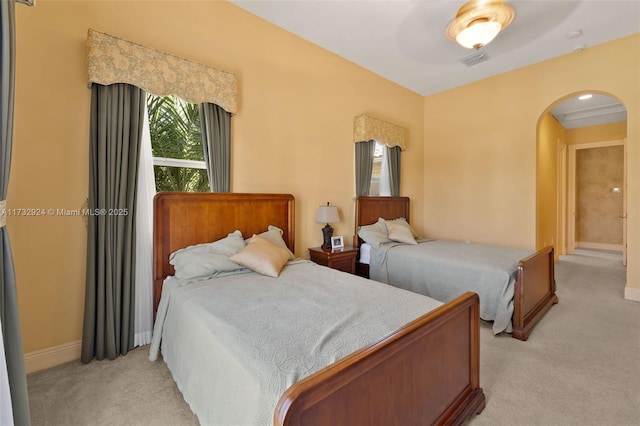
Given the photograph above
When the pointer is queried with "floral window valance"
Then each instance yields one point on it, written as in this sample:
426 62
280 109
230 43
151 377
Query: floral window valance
114 60
366 128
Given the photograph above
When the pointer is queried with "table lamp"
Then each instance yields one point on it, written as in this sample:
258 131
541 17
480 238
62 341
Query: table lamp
327 214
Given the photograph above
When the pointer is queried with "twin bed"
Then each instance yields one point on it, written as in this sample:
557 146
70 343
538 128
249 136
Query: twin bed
312 346
516 287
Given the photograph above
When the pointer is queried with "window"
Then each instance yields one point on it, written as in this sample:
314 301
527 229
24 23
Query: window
176 145
380 184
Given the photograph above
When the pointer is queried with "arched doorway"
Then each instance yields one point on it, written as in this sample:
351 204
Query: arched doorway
581 175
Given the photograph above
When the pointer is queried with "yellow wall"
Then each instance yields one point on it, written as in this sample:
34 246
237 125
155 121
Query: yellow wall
470 166
293 131
480 145
599 133
551 138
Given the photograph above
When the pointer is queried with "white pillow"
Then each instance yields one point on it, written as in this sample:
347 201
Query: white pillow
229 245
262 256
202 264
374 234
208 258
400 233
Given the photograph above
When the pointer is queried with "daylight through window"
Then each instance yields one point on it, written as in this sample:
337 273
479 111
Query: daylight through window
176 144
380 175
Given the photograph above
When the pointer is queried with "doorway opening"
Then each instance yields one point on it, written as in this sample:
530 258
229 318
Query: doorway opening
581 176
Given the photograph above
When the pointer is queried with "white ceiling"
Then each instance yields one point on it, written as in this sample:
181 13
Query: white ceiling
405 42
599 109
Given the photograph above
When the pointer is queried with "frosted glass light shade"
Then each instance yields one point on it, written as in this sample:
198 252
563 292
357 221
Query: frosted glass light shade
478 34
327 214
479 21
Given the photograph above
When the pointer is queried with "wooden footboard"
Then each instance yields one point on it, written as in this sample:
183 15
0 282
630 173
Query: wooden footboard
427 372
534 292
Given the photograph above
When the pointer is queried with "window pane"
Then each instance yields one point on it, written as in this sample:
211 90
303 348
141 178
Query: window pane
374 188
181 179
175 128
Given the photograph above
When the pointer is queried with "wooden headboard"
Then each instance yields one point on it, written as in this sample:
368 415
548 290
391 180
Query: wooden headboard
369 209
182 219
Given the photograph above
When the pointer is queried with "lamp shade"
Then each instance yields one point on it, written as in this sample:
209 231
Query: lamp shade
327 214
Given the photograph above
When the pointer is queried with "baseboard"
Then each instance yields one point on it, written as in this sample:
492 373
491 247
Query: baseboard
50 357
599 246
631 293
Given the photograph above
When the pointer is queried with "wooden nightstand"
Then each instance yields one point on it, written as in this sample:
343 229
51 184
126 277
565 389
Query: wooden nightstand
341 259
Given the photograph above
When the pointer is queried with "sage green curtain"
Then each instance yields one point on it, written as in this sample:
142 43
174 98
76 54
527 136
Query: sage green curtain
115 134
216 142
9 315
365 151
393 160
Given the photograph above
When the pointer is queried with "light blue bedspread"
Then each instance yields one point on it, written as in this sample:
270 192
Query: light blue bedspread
444 270
234 344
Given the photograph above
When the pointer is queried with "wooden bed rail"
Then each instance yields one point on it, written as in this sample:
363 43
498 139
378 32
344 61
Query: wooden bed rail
427 372
534 291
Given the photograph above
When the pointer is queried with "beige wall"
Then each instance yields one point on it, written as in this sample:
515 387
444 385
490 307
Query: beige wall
474 178
480 145
551 139
599 133
293 131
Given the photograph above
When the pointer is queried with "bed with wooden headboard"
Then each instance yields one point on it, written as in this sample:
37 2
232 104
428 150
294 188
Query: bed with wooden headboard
426 372
534 290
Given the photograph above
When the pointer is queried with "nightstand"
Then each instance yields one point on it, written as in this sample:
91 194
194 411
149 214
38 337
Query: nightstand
343 259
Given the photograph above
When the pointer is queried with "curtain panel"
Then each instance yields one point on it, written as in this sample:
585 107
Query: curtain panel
117 113
216 142
364 166
143 324
15 379
393 160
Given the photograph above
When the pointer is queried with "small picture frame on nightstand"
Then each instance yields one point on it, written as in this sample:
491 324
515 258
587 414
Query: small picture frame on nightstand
337 242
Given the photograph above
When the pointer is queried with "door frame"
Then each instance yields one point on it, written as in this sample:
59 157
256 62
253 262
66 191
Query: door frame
571 192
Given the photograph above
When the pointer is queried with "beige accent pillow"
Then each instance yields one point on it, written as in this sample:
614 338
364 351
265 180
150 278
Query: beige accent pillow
400 233
274 235
402 221
262 256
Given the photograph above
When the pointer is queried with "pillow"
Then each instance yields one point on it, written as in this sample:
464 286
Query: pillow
202 264
400 233
402 221
229 245
274 236
374 234
208 258
262 256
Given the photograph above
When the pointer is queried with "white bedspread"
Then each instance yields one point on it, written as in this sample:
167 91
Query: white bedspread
444 270
234 344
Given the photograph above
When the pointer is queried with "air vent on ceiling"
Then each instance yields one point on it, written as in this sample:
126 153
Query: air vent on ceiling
476 58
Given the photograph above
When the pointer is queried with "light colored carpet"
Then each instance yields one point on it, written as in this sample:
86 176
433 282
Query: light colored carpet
580 366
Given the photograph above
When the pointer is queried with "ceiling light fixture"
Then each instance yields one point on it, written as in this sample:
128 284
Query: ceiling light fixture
479 21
